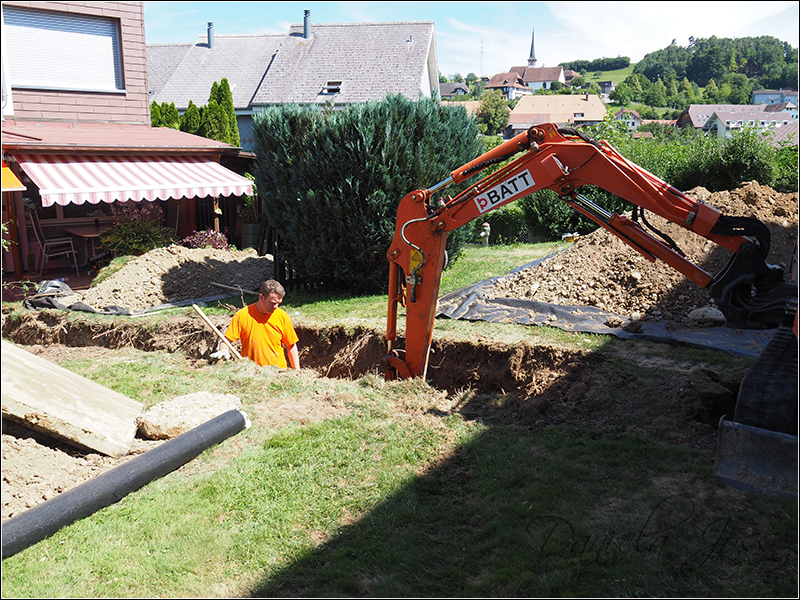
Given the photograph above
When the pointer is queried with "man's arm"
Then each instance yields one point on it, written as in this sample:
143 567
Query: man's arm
294 356
223 349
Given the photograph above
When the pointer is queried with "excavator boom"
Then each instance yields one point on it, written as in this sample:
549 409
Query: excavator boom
750 292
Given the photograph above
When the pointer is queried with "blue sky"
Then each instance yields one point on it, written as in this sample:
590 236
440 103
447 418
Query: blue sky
490 37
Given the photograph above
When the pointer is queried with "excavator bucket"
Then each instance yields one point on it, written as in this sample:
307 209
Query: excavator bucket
757 450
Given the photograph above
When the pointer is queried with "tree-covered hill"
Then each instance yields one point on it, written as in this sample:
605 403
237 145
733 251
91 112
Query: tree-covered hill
765 61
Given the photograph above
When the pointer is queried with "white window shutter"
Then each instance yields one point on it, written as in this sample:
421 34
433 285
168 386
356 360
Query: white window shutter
63 51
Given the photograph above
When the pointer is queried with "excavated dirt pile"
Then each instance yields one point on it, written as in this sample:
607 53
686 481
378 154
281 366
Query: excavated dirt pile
602 271
176 273
598 270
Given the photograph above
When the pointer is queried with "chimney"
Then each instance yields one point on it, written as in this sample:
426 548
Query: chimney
307 25
211 43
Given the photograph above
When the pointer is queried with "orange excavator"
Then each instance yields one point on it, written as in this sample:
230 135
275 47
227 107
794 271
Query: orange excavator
750 292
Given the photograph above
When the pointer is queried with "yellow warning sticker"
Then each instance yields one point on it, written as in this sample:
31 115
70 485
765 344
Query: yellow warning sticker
416 260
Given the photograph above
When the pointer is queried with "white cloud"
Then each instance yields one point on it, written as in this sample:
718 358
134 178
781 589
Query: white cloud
465 48
588 30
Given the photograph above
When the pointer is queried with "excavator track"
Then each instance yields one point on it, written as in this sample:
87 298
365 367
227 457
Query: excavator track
768 394
757 451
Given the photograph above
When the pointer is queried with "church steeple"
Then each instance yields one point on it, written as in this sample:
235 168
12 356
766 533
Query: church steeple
532 58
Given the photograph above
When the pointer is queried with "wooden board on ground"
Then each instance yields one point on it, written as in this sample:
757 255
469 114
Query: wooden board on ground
49 398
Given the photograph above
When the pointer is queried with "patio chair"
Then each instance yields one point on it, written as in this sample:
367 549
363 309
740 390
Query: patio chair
52 247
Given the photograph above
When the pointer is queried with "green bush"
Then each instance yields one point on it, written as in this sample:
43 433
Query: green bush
786 169
716 164
136 237
507 224
331 181
684 161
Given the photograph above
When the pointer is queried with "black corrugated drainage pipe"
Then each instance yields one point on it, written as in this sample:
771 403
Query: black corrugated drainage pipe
44 520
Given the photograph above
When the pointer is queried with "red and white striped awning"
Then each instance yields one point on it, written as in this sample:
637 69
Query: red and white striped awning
64 179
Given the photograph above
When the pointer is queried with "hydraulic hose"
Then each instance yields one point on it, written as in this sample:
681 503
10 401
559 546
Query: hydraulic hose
44 520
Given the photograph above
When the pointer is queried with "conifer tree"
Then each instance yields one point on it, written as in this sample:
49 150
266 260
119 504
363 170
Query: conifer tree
155 114
224 98
213 123
170 116
331 181
190 122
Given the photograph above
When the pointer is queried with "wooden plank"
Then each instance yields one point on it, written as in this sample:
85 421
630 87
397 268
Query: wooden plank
49 398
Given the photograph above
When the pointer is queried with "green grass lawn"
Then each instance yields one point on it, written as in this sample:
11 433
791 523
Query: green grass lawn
320 309
401 493
617 76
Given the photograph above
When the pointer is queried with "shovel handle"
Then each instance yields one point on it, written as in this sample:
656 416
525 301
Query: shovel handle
225 340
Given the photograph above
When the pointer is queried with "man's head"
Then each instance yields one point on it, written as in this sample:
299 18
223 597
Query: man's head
270 297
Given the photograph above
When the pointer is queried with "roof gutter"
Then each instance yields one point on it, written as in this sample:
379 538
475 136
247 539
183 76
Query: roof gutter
75 149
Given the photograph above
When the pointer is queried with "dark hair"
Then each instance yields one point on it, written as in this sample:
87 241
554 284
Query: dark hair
272 287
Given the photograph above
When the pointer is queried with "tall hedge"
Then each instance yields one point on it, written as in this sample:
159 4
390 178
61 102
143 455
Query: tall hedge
331 181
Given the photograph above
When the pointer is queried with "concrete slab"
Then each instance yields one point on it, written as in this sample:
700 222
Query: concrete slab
49 398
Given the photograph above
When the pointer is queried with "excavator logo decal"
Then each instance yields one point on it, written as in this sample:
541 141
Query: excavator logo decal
504 191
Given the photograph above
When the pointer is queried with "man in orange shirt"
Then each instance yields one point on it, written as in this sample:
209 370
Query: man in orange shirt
265 330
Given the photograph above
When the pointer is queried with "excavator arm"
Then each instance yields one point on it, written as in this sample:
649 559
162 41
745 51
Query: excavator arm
750 292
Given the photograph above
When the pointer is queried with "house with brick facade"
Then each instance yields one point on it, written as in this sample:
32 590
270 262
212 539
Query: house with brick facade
76 130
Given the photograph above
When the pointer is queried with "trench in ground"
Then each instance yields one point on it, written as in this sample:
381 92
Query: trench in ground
523 383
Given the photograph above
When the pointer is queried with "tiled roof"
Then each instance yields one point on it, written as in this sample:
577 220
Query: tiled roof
449 88
538 74
700 113
162 60
370 60
785 133
748 117
510 79
182 72
58 135
671 122
531 110
783 106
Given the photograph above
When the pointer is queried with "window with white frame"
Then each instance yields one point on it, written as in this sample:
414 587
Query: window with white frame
62 51
332 87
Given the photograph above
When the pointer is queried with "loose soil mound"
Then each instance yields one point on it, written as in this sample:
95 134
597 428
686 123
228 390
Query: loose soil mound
602 271
175 274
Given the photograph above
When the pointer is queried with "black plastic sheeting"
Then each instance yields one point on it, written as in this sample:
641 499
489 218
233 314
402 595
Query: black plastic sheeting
470 304
48 293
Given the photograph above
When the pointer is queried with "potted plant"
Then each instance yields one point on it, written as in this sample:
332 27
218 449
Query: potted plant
250 216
